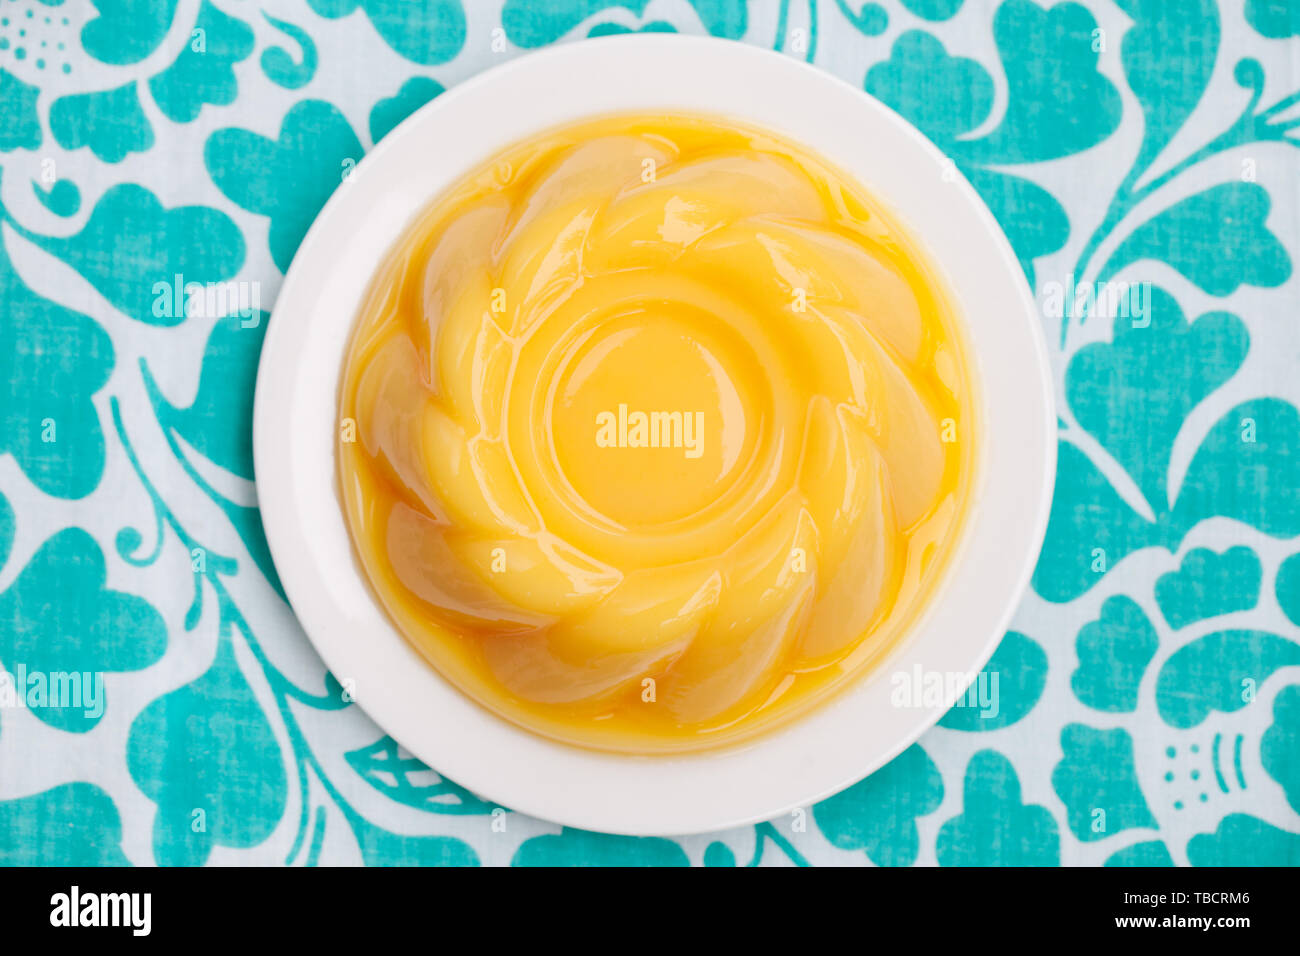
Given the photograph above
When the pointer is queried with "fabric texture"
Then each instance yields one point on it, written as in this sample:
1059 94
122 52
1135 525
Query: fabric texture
162 706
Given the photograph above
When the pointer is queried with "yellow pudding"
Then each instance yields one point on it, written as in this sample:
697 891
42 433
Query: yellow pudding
655 431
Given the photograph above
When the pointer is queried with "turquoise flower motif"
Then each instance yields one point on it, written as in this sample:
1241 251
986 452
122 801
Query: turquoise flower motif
205 754
1243 840
1097 781
1149 853
1134 395
1287 587
203 72
76 824
135 252
1114 652
111 123
935 10
52 360
1210 584
879 814
995 828
287 179
1058 104
614 29
59 622
1279 749
1219 671
583 848
127 31
1275 19
1019 667
387 113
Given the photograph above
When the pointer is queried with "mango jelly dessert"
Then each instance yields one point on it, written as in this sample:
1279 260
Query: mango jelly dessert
655 431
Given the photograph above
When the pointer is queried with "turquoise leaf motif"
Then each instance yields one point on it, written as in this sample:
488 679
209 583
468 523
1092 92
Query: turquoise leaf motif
1275 19
1288 588
1216 238
111 122
135 251
935 10
423 31
614 29
20 127
1057 101
52 360
75 824
879 814
1097 781
127 31
248 525
1168 59
63 198
203 73
287 179
870 20
1247 469
1134 393
280 67
718 854
995 828
531 25
583 848
1019 667
1035 223
205 754
1114 652
1090 528
61 624
1209 584
1243 840
387 113
1148 853
6 529
219 422
379 847
1219 671
943 96
1057 104
1279 748
405 779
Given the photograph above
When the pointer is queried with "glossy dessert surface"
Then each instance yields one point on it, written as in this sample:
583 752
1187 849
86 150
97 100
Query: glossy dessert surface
654 432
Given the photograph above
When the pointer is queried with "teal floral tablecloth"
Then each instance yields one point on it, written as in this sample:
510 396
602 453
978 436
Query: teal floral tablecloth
160 161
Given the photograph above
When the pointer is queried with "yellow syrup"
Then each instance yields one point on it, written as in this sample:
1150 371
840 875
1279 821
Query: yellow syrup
655 431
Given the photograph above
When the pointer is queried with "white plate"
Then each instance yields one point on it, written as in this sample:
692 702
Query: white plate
294 434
